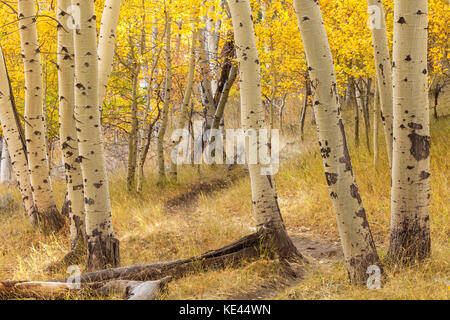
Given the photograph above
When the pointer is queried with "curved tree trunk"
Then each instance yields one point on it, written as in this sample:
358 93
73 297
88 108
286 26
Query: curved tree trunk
358 245
383 69
106 43
410 202
49 216
13 136
67 127
183 115
264 197
102 247
165 110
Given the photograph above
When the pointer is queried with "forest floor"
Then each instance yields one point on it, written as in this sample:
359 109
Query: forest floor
207 211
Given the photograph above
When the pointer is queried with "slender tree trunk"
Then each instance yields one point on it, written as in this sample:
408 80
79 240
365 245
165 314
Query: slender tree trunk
14 137
305 106
205 82
376 112
265 204
357 242
410 202
145 139
102 246
68 130
6 168
224 97
165 110
356 111
366 115
106 43
133 135
383 69
49 216
183 115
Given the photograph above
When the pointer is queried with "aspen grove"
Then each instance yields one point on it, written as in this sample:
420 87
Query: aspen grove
217 149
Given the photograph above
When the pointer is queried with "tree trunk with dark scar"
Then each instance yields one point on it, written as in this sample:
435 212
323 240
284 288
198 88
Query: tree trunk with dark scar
410 201
357 242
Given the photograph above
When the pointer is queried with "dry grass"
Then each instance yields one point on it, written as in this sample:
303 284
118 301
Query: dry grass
149 233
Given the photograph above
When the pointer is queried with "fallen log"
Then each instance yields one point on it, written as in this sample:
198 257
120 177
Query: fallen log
246 247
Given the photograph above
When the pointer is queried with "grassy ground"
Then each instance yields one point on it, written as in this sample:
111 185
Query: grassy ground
151 231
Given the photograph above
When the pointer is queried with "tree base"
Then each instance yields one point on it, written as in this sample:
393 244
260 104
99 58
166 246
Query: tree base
411 242
51 220
102 252
358 268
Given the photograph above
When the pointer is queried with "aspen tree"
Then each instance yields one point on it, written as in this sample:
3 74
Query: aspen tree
102 246
383 69
183 115
67 126
106 43
264 197
6 169
13 136
357 242
35 133
410 200
167 94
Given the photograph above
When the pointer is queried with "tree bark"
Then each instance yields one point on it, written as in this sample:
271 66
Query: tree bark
41 186
410 200
102 246
133 135
264 198
357 242
14 137
68 130
383 70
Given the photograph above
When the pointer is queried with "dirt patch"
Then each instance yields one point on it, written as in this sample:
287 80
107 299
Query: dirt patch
319 253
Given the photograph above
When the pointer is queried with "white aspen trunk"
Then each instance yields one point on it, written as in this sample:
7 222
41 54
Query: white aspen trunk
50 218
102 246
6 169
383 69
410 202
165 110
13 137
106 43
183 114
264 197
357 242
67 126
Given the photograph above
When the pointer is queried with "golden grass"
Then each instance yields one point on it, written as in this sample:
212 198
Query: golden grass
149 233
